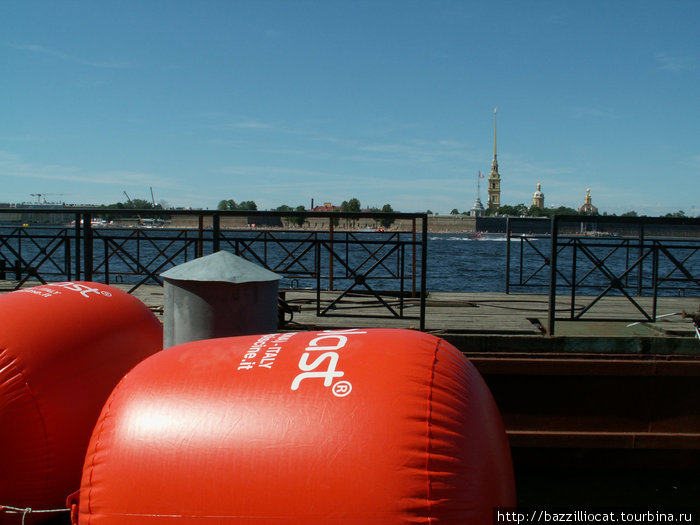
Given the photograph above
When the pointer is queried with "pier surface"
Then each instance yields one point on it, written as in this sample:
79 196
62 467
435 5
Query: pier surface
493 313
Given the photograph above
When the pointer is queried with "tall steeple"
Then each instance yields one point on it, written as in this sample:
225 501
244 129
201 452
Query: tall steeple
494 177
478 208
494 164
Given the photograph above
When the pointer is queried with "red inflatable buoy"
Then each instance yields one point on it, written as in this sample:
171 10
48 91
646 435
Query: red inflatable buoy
348 426
63 348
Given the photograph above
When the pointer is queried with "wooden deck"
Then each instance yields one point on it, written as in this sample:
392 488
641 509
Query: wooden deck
498 313
490 313
477 313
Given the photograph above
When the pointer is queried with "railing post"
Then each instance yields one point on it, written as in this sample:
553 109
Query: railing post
332 249
521 262
655 278
574 256
106 245
423 271
215 231
317 263
508 256
77 245
87 244
553 275
641 261
66 258
200 243
413 262
402 252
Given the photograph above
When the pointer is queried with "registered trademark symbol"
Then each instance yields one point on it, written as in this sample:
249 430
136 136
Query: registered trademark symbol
342 388
106 294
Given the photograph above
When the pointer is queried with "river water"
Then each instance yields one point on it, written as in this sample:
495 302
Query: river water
456 262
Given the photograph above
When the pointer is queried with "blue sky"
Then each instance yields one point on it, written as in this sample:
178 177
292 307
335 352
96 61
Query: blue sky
387 101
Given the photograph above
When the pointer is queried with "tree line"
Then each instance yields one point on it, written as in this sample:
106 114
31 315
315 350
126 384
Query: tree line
351 205
354 205
520 210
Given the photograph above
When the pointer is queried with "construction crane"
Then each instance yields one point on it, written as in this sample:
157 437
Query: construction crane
132 202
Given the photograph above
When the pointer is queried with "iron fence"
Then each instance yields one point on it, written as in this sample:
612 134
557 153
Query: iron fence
376 264
589 258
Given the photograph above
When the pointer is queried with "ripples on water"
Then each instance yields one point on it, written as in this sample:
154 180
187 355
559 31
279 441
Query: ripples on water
456 262
466 264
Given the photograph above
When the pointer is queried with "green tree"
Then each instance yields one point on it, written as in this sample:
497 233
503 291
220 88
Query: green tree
248 206
351 205
563 210
284 208
132 204
454 211
679 213
300 220
386 222
139 204
230 205
514 211
226 205
536 211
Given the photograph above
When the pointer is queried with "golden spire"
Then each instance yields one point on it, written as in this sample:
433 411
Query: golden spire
494 176
495 123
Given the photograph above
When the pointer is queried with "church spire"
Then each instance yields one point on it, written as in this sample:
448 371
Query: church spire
494 176
495 125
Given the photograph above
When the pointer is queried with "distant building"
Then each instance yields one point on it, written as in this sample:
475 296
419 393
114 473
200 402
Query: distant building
494 177
478 208
588 208
327 206
538 197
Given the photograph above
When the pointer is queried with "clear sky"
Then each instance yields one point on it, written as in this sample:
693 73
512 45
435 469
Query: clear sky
281 102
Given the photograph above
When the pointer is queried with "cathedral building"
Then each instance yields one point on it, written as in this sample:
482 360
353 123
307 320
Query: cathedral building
494 177
538 197
588 208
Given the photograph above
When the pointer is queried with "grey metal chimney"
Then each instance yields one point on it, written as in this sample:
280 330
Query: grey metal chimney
219 295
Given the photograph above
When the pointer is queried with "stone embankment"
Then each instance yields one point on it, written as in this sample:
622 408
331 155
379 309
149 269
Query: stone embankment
436 224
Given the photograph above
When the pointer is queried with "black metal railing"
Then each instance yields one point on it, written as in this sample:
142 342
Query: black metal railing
590 258
26 255
376 264
631 258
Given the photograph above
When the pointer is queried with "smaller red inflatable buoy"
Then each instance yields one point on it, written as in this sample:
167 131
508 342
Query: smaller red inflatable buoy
63 348
344 426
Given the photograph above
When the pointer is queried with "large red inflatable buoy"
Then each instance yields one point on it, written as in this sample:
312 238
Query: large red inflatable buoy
347 426
63 348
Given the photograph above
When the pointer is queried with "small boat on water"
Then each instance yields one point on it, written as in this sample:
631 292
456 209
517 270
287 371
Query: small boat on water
95 223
